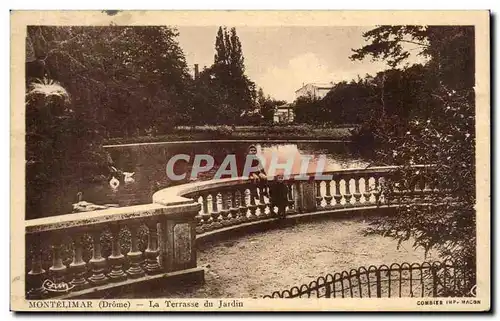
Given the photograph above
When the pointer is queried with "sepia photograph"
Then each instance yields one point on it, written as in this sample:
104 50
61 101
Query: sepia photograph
174 163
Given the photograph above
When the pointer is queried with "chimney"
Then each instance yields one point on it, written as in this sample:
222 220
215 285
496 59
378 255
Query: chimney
196 71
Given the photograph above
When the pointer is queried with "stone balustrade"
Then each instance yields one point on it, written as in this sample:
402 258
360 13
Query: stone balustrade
82 254
56 247
231 202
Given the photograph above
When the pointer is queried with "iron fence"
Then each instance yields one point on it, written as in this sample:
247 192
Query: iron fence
438 279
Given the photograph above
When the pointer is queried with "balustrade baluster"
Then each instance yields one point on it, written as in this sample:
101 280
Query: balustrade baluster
328 194
78 266
215 213
338 195
204 203
58 269
262 202
291 201
198 218
225 209
37 274
151 253
116 258
234 207
376 191
367 193
97 262
347 195
253 207
357 194
205 215
319 198
243 206
134 255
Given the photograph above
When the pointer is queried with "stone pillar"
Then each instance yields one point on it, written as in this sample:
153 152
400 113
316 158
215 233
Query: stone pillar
97 262
116 259
78 266
37 274
135 255
305 199
178 239
177 244
152 265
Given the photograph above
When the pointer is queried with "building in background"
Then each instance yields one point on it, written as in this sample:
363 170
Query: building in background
314 90
284 114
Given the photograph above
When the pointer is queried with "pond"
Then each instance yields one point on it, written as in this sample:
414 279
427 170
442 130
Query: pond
148 163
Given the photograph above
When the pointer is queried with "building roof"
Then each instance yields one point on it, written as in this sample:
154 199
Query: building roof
285 106
318 85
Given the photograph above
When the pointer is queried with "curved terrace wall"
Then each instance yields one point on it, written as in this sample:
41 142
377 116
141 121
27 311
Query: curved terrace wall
177 218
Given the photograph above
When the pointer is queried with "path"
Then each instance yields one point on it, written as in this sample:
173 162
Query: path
258 264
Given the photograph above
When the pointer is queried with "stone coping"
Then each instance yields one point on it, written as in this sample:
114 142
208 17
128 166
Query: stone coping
175 195
112 215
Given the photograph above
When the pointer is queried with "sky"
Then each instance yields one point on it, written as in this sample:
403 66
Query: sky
281 59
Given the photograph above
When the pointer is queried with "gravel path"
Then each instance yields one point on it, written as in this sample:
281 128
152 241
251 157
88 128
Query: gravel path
260 263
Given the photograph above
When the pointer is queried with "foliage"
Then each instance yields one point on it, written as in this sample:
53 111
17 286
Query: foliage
267 106
437 130
129 80
450 49
62 149
308 110
223 92
387 43
397 92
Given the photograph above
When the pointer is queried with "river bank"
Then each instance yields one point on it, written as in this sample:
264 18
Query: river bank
257 133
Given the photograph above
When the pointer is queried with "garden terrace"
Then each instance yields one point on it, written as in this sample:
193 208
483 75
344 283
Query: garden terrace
96 253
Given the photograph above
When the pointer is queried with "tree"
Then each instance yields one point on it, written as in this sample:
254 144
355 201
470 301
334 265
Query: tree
396 93
267 106
438 132
207 99
308 110
236 93
349 103
450 49
130 79
62 150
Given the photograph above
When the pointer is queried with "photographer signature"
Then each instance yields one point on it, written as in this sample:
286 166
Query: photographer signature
50 286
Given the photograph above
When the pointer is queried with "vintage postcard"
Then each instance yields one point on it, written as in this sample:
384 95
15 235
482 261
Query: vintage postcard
250 161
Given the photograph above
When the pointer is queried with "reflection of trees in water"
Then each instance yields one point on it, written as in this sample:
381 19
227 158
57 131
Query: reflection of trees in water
338 155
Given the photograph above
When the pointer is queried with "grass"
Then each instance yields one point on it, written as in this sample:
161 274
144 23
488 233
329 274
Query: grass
209 132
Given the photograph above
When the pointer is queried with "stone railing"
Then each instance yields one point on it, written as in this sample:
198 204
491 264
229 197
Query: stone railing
85 254
227 203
